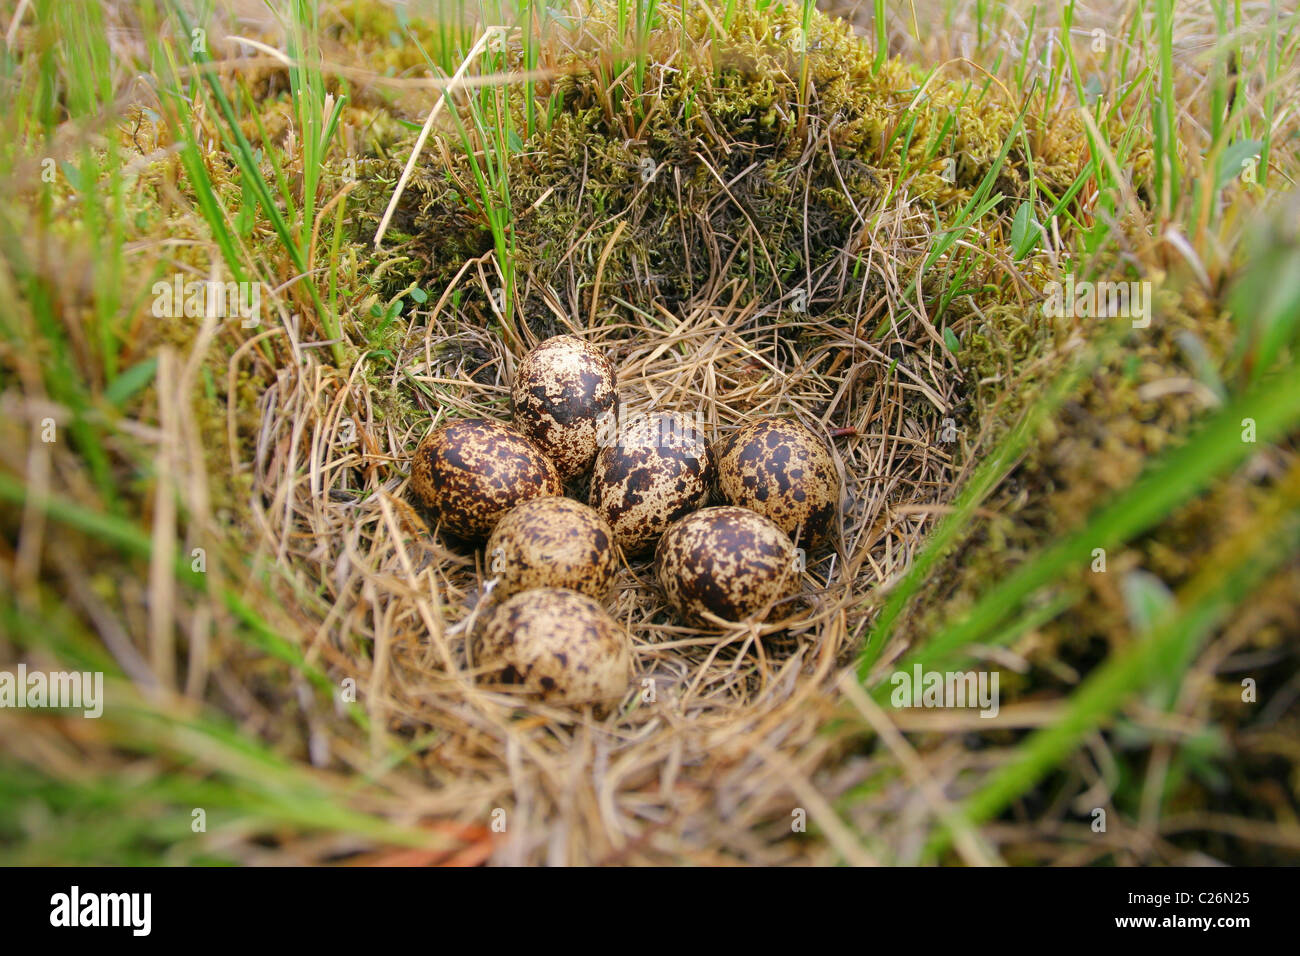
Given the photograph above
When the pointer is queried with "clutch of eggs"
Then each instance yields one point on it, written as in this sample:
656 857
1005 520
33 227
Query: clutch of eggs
553 559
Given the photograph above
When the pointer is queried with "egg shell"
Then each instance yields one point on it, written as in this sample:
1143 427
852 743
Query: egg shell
659 469
560 645
726 560
471 472
552 542
782 470
562 391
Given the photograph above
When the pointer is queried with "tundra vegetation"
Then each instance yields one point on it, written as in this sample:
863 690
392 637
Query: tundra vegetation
1033 268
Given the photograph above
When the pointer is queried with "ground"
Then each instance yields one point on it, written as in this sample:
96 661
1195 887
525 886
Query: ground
752 208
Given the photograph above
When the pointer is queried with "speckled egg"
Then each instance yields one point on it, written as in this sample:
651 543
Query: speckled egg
728 561
562 391
552 543
471 472
780 469
557 643
659 468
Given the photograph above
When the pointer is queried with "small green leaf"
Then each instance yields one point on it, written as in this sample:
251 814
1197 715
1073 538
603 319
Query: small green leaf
950 340
1230 159
72 174
1092 90
135 378
1198 357
1025 231
1146 598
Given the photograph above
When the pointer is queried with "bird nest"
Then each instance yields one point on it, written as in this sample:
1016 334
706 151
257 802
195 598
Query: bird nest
717 722
738 268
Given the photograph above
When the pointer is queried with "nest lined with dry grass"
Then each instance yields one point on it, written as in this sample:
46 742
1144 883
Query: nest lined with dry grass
736 259
720 726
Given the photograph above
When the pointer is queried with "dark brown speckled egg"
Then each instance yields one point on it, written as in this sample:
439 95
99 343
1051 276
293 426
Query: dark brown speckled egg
658 468
728 561
780 469
559 644
471 472
552 543
562 391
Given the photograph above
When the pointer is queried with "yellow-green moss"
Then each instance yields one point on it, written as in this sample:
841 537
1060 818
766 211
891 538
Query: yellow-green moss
757 177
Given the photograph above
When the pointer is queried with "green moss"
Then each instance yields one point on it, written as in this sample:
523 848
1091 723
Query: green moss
1140 400
756 178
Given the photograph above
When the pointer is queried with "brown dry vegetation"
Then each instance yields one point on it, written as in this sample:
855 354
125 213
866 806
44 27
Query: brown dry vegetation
765 267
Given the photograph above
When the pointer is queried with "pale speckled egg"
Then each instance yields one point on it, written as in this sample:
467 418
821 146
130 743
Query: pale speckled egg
559 644
779 468
563 391
471 472
659 468
728 561
555 543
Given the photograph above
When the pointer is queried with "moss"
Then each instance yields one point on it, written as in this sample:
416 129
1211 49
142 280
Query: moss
1139 402
754 179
